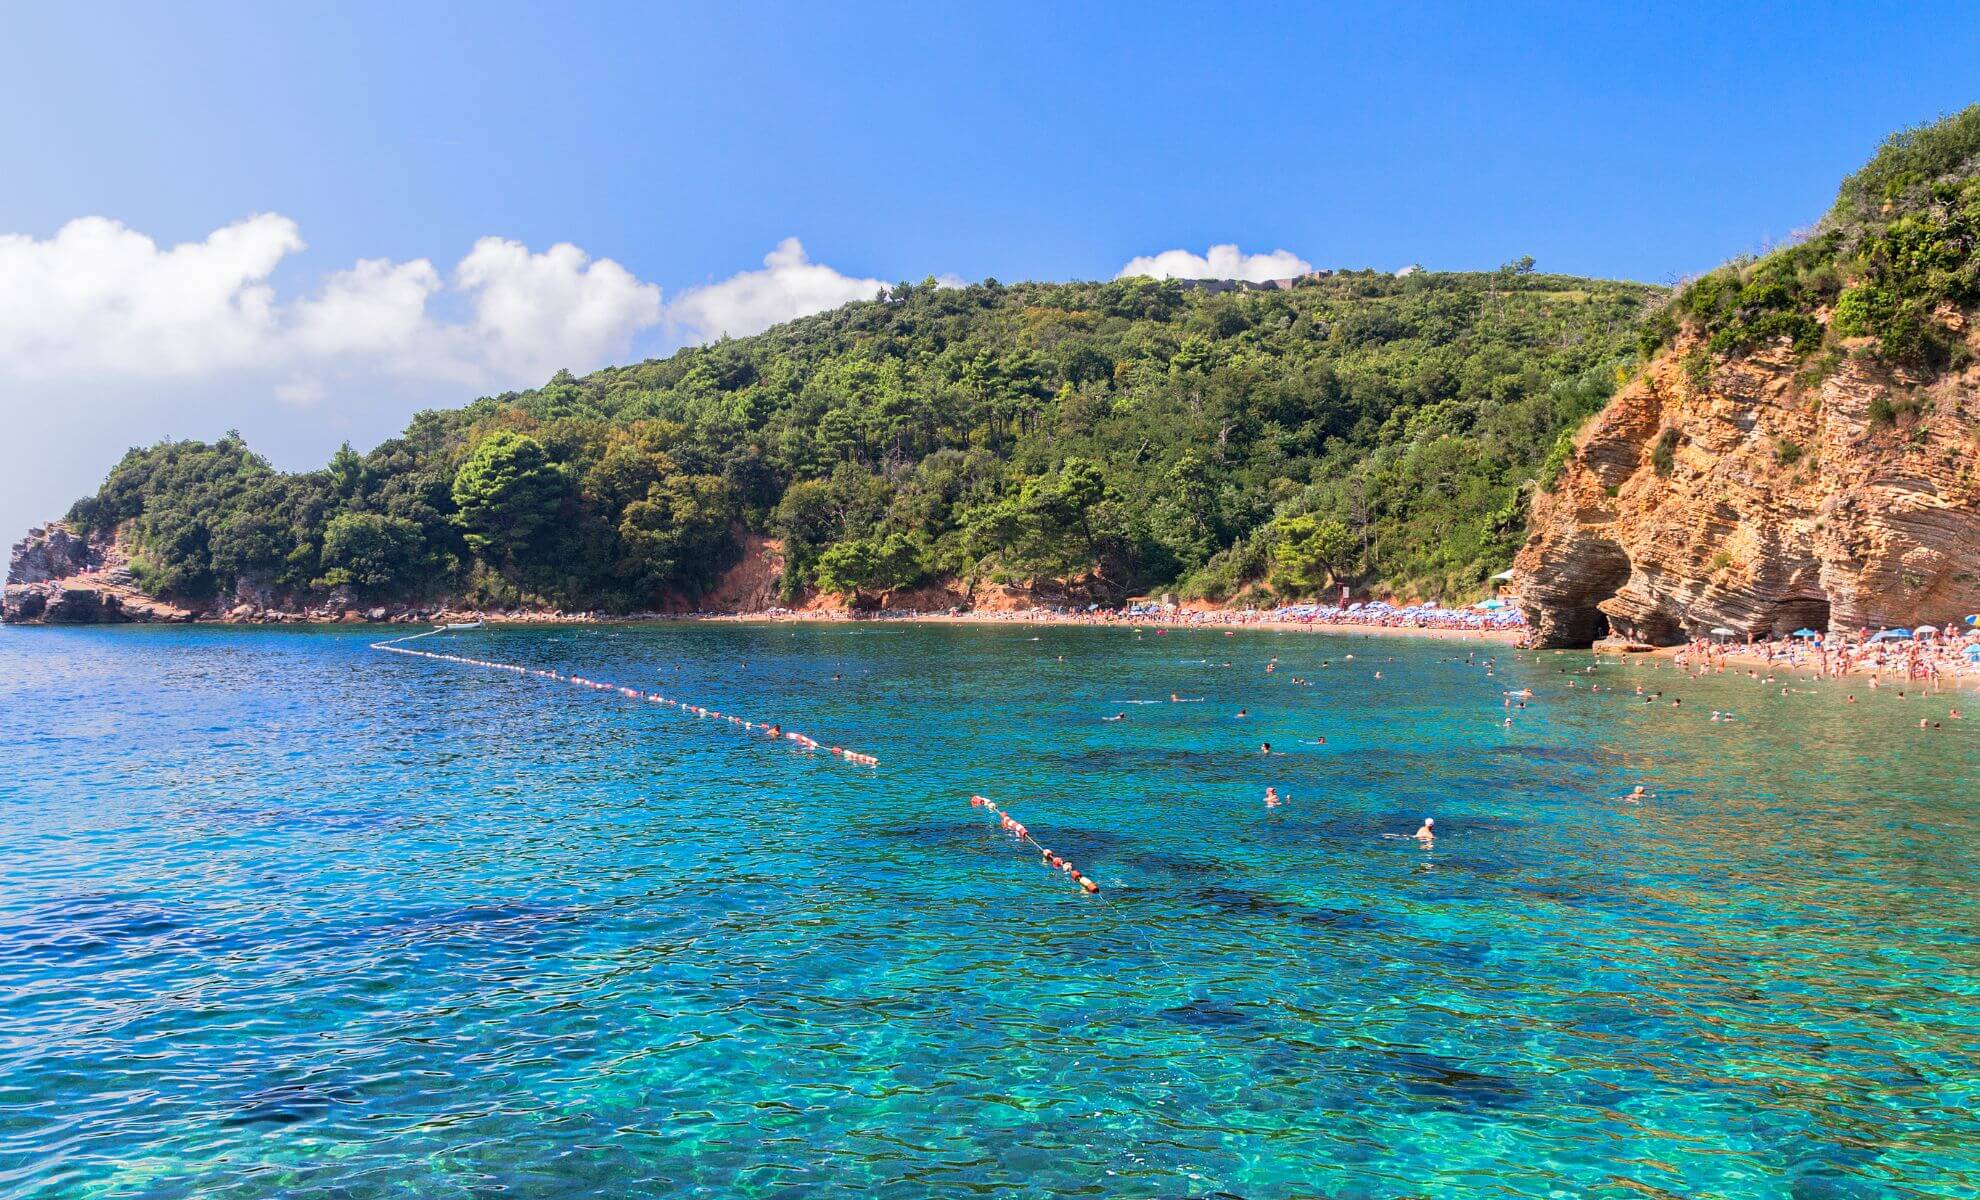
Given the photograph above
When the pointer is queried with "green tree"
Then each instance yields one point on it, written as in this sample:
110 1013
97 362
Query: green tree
677 537
371 553
508 494
853 567
1307 552
1183 518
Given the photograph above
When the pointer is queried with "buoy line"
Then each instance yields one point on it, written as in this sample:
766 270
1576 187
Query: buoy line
1004 820
394 646
1016 829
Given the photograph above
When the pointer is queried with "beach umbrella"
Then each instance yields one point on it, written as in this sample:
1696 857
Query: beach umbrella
1892 635
1806 633
1973 653
1974 619
1721 631
1926 629
1490 605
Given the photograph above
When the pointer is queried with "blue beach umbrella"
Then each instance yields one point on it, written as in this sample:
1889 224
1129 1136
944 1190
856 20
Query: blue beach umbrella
1892 635
1806 633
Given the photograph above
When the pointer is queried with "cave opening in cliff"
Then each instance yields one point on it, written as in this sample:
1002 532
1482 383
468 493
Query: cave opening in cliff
1800 612
1580 621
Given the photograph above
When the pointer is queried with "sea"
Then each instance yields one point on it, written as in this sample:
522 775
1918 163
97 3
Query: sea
282 915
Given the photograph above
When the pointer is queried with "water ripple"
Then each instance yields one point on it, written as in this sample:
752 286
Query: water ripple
281 917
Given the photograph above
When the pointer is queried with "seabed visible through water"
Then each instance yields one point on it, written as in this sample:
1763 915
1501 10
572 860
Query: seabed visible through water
284 916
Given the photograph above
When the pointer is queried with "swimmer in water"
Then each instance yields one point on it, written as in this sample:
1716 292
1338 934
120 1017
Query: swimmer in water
773 731
1241 714
1426 835
1264 747
1637 796
1272 797
1115 717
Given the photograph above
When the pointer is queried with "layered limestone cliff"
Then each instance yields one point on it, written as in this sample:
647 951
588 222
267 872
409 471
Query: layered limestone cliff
1748 495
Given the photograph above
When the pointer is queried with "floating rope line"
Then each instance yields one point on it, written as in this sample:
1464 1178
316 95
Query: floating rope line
393 646
1017 830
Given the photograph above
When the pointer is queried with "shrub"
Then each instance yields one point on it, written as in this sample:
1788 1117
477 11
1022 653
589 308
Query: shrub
1556 460
1911 157
1663 456
1698 370
1885 410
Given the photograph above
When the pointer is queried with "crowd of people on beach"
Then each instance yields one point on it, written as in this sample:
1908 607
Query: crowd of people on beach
1488 616
1927 652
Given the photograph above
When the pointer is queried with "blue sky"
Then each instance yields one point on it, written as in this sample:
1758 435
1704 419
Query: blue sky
684 144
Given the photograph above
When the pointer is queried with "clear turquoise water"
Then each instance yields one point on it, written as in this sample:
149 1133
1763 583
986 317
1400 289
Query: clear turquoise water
281 916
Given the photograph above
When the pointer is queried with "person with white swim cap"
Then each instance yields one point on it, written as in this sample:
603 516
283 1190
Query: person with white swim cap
1425 834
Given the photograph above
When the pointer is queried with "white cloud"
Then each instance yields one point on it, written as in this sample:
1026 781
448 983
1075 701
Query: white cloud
377 307
789 286
300 392
535 313
101 299
1222 262
99 296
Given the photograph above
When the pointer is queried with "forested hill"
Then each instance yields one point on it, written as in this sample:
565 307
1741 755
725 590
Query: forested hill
1111 438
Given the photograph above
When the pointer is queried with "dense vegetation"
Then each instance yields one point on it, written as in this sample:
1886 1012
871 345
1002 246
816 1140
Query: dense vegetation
1113 437
1893 260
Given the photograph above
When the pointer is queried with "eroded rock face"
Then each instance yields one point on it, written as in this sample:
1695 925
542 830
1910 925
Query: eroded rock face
1845 504
51 552
58 578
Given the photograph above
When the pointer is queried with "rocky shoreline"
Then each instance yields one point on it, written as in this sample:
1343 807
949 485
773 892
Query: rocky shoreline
57 577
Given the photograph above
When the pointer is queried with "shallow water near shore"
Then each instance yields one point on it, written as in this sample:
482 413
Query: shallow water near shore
284 916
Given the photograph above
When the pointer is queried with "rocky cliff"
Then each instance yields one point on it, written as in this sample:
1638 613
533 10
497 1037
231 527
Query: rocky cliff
1746 494
57 577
